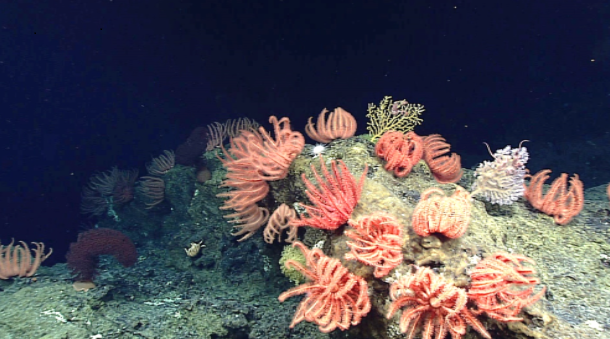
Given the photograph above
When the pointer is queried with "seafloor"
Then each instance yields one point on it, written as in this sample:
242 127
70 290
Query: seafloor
230 290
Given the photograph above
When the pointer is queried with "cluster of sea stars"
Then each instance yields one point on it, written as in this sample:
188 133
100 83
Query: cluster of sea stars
439 306
501 287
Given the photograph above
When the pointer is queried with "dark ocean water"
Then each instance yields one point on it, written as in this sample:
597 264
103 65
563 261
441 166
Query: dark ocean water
91 85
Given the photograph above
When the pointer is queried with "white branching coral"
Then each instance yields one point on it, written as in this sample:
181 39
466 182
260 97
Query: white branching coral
501 181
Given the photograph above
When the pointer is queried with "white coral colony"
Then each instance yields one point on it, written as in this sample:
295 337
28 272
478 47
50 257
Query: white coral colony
501 181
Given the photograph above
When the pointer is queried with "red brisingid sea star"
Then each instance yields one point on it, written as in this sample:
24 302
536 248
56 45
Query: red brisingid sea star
501 286
432 305
376 241
334 297
334 199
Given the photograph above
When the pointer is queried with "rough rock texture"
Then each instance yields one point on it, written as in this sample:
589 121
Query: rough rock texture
230 289
572 260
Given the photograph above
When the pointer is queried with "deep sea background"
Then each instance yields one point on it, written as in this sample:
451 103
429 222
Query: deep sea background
87 85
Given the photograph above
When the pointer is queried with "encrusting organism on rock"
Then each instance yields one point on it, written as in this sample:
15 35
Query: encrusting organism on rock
376 241
334 297
559 201
437 213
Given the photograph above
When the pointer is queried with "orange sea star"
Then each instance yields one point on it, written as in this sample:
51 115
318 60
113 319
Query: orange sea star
438 306
334 297
501 286
376 242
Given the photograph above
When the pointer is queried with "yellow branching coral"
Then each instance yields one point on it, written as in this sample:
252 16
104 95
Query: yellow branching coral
393 116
